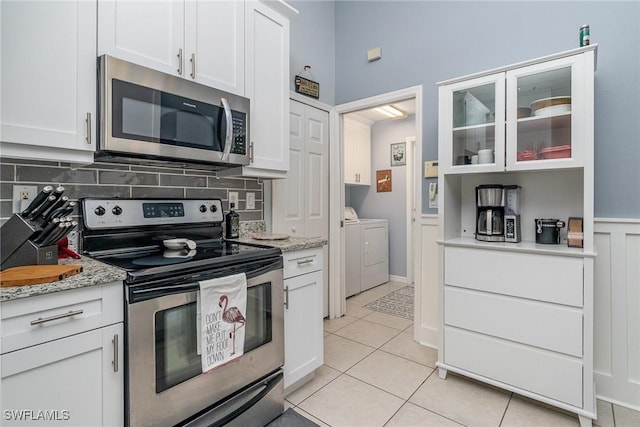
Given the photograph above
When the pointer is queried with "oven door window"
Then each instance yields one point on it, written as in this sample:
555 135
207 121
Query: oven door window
145 114
176 351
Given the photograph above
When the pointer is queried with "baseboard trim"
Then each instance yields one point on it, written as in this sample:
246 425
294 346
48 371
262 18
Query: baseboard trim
399 279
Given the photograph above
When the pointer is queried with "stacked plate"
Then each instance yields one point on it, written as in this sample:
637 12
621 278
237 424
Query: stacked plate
551 106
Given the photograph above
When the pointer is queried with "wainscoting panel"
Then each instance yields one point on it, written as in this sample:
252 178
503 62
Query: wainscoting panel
617 311
427 300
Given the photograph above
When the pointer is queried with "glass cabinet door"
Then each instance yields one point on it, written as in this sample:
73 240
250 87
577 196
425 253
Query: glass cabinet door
476 129
543 109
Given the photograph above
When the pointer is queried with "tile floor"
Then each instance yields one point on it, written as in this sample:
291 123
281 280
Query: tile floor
375 374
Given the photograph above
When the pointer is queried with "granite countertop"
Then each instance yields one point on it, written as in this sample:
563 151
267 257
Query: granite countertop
287 245
93 273
249 228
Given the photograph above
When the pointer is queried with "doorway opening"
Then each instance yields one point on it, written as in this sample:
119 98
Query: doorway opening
386 186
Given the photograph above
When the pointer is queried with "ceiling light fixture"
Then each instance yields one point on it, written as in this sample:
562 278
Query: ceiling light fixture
391 112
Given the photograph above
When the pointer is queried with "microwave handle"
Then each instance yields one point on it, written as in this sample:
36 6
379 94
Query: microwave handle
229 137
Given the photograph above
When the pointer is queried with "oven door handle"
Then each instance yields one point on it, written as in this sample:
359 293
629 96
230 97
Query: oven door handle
267 385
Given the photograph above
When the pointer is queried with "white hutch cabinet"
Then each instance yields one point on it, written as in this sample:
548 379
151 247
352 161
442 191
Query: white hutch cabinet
520 315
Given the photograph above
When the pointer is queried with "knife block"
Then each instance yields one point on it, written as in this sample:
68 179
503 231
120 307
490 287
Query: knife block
16 249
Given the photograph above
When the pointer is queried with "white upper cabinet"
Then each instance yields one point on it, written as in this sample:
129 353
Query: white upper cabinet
198 40
48 80
357 152
267 85
529 116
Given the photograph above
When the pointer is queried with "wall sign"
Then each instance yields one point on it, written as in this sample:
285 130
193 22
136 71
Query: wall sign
398 154
307 87
383 181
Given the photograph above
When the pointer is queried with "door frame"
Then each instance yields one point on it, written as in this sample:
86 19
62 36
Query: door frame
337 299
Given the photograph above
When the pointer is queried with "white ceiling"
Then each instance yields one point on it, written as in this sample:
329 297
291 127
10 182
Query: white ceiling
408 106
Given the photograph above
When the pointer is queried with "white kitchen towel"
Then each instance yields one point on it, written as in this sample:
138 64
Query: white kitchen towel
222 304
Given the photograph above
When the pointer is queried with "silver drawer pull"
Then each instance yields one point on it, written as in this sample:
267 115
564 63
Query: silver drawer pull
40 320
114 362
305 261
286 297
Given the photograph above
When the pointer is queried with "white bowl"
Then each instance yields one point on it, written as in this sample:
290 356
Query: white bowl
178 244
554 110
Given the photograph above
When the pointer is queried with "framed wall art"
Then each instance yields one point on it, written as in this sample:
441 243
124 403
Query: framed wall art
398 154
383 181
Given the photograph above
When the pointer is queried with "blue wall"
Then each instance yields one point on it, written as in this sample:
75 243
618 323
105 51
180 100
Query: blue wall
429 41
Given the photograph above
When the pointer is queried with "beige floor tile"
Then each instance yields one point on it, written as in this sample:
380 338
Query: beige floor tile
337 323
288 405
324 375
411 415
311 417
341 353
625 417
368 333
605 414
524 413
461 400
404 345
355 309
347 401
365 298
394 322
393 374
409 329
325 333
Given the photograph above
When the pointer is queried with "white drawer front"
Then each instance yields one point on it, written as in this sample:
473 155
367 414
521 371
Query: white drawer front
552 375
544 325
543 277
34 320
302 262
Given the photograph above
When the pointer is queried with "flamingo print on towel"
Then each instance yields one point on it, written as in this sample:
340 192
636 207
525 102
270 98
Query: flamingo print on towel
231 315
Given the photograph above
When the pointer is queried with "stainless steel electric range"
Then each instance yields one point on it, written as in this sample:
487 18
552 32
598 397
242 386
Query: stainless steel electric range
167 247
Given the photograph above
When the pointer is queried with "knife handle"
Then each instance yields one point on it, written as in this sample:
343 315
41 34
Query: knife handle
44 233
41 197
47 215
43 207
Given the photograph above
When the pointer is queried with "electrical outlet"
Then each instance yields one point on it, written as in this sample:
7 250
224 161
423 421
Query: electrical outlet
251 200
22 196
233 198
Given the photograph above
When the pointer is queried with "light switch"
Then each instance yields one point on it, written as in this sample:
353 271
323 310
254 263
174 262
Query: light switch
251 200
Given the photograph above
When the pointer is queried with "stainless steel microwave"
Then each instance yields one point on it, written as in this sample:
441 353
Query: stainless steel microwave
149 117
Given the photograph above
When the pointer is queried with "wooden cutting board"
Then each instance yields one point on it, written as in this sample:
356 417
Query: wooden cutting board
35 274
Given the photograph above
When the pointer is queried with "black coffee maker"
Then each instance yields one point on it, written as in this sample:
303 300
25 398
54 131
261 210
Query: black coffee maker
490 213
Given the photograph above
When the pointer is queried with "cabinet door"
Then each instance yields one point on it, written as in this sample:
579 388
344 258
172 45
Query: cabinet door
471 125
357 149
148 33
48 80
267 85
303 340
214 44
550 131
75 381
375 256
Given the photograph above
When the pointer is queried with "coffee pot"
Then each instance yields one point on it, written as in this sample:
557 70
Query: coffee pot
490 213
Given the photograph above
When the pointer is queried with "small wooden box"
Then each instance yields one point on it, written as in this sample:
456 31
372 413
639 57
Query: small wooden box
575 235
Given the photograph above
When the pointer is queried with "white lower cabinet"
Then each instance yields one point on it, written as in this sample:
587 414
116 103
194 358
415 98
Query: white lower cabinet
303 337
519 320
68 368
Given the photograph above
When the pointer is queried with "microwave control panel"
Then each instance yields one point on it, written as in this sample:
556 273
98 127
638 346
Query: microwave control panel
240 127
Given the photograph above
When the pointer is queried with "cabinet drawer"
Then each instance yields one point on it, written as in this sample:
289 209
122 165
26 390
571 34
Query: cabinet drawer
42 318
540 324
542 277
552 375
302 262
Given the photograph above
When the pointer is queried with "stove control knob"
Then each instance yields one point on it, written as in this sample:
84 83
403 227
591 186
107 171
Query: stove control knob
214 208
203 208
117 210
99 211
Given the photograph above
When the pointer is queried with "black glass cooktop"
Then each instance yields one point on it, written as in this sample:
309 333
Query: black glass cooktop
209 254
